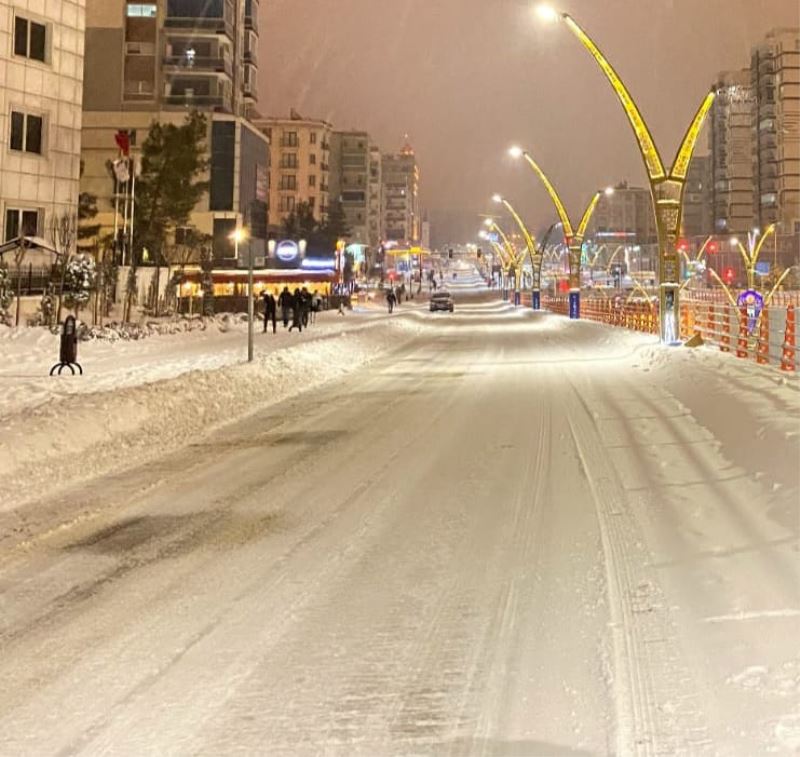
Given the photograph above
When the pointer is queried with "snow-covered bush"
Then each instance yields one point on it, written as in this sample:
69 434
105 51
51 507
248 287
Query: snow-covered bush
80 279
6 295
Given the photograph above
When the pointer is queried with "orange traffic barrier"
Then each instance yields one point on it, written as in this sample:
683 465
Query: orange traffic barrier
725 334
742 342
762 352
789 346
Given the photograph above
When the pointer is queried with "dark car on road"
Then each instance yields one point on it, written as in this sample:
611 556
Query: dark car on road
442 300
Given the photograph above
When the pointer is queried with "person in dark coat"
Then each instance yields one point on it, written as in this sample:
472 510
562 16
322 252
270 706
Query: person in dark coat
305 305
287 305
270 311
297 311
391 298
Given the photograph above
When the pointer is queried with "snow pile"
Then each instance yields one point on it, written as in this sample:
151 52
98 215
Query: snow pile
68 438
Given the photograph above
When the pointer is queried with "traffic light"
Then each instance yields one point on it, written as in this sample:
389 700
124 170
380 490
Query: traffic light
728 275
713 248
450 253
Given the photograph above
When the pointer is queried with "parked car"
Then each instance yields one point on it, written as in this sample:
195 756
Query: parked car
442 300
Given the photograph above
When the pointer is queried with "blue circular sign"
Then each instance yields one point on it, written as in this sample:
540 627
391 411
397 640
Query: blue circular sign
287 251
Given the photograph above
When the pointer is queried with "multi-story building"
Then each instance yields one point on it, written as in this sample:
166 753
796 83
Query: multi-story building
775 82
375 198
697 212
156 61
730 140
624 217
300 150
356 183
41 80
401 210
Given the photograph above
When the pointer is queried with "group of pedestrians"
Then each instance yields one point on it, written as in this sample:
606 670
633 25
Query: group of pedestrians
299 307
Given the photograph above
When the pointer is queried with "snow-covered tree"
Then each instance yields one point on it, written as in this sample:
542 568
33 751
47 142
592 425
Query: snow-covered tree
80 279
6 295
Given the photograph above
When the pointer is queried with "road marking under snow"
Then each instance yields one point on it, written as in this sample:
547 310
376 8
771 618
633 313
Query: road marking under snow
753 615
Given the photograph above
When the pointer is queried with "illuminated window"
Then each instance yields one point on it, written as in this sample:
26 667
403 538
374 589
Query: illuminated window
141 10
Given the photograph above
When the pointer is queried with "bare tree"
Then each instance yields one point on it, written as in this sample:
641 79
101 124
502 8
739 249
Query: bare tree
63 235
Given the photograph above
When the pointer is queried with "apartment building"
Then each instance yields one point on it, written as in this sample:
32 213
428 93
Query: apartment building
697 199
775 122
355 181
300 150
730 140
159 60
624 217
401 204
41 83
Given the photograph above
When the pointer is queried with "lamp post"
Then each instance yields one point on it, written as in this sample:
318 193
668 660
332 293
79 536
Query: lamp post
666 186
530 243
514 259
572 237
239 236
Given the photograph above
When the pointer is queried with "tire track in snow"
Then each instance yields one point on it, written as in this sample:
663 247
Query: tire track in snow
646 660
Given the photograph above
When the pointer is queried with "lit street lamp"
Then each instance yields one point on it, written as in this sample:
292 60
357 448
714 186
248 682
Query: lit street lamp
573 237
530 243
666 185
239 236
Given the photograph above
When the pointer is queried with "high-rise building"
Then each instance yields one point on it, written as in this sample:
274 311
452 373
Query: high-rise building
697 200
775 82
355 182
300 150
730 139
41 79
401 211
624 217
158 60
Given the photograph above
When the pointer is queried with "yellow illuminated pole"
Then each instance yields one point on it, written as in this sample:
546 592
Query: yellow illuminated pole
239 236
515 259
530 244
666 186
572 236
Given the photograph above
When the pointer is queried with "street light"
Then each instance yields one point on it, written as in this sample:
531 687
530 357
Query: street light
239 236
529 243
572 237
666 185
547 12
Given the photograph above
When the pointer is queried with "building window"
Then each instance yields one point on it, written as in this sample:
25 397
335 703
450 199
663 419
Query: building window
312 181
289 139
288 182
289 160
141 10
313 138
312 159
26 132
30 39
312 201
21 223
287 204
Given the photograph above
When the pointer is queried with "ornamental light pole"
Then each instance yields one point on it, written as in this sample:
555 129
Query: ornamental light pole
573 237
514 259
530 243
239 236
666 186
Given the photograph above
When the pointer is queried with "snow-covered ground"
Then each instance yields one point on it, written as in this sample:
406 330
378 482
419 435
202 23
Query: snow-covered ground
507 533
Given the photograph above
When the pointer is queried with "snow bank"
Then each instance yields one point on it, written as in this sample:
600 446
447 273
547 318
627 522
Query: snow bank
70 437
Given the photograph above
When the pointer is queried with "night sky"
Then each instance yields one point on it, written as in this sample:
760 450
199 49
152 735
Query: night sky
468 78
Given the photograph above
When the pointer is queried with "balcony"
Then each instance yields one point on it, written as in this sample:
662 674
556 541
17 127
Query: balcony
193 65
204 94
217 17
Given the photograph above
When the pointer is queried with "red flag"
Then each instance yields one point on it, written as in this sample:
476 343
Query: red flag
123 140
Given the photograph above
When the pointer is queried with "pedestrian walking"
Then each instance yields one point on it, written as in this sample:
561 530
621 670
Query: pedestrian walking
305 306
287 305
270 311
297 312
391 299
316 306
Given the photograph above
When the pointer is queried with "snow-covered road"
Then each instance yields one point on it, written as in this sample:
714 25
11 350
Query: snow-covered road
513 535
